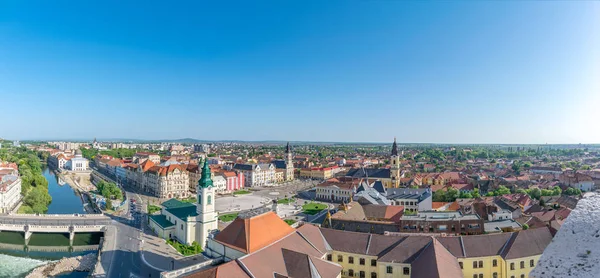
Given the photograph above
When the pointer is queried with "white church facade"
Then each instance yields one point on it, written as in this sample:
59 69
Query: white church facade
186 222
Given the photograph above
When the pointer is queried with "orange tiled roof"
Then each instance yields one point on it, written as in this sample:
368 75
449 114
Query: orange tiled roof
251 234
437 205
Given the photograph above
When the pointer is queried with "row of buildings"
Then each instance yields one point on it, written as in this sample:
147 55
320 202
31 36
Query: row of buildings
10 187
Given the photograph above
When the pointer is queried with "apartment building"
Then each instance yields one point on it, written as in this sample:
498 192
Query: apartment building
10 188
257 174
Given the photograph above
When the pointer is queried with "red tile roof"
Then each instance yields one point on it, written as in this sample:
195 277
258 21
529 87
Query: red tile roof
250 234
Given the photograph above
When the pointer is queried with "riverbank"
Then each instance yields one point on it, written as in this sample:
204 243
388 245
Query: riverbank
80 263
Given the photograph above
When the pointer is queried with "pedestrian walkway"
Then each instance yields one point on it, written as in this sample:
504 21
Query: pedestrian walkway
156 252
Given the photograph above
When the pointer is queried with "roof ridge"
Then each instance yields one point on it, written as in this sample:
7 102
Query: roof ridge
306 239
423 250
508 244
462 246
389 248
369 243
244 267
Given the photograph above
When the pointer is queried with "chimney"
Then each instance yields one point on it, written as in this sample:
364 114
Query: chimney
274 206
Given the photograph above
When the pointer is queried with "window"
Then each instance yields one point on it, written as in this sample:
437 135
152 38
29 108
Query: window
350 260
182 227
199 199
531 263
474 275
406 271
480 264
495 263
522 275
522 264
480 275
361 274
475 264
373 274
512 266
329 257
495 275
208 200
373 262
461 266
389 269
361 261
340 258
351 273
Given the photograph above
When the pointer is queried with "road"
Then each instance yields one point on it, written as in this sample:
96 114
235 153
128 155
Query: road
127 261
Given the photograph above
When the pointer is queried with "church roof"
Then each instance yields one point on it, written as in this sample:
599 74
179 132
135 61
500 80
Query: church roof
394 148
183 212
253 233
279 164
174 203
161 220
370 172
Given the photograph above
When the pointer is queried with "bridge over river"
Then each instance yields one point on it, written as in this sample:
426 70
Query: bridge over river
54 223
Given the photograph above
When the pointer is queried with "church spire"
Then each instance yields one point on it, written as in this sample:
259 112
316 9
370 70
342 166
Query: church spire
287 148
205 181
394 148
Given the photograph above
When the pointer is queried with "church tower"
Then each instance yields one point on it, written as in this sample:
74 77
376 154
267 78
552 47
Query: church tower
289 164
207 218
395 167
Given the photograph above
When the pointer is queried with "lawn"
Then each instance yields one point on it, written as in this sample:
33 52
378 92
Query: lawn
228 217
241 192
152 209
290 221
313 208
186 250
285 201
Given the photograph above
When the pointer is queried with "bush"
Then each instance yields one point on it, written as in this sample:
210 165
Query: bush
152 209
185 249
525 226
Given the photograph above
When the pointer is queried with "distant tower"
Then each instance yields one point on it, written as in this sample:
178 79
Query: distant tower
395 167
207 218
289 164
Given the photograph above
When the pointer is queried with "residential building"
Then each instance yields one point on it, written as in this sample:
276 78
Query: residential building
10 188
220 184
447 222
413 199
187 222
171 181
545 170
140 157
194 173
235 181
257 174
319 173
578 180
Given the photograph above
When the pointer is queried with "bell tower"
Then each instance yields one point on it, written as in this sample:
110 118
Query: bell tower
289 164
207 218
395 167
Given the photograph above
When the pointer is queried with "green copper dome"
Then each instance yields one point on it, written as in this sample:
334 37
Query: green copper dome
205 181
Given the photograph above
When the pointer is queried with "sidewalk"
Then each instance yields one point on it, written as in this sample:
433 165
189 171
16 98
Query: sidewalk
156 253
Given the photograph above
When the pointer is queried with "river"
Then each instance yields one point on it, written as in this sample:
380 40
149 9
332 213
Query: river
17 263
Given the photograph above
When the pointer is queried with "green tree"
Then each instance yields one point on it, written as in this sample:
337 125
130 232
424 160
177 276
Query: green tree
525 226
476 193
535 193
451 194
439 196
502 190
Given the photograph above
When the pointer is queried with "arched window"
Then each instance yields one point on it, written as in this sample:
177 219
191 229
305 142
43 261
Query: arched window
199 199
208 200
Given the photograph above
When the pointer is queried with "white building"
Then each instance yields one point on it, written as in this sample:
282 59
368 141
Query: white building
10 189
335 191
257 174
220 184
77 163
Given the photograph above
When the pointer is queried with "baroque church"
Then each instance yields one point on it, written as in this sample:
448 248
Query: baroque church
187 222
390 177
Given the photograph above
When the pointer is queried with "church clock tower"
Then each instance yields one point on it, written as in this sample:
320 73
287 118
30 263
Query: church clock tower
289 164
207 218
395 167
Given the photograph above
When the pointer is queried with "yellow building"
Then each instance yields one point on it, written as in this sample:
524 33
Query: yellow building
319 173
505 255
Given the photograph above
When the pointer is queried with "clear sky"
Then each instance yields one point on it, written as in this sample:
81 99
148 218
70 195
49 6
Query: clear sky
424 71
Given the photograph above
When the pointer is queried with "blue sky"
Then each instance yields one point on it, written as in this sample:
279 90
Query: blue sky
439 72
